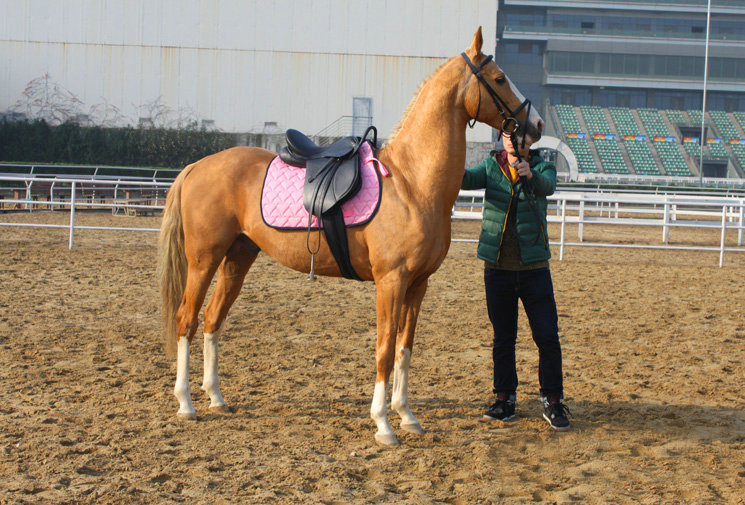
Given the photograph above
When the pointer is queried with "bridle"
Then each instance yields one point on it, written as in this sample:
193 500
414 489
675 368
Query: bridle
510 127
510 124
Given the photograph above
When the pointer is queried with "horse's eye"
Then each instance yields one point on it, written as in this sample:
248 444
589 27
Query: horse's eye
500 79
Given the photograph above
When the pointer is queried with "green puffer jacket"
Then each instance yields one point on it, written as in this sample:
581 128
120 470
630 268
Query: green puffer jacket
499 191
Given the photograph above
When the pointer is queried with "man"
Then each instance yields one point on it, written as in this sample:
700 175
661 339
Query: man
514 247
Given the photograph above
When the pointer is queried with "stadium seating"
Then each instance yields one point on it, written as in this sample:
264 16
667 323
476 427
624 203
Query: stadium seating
611 157
642 159
672 159
595 119
568 119
739 150
624 121
676 117
653 123
740 118
717 150
695 116
582 151
722 121
693 150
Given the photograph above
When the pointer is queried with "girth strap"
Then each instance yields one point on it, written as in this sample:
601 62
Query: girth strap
336 237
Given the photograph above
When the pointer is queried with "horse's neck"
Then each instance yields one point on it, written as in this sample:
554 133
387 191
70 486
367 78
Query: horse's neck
429 151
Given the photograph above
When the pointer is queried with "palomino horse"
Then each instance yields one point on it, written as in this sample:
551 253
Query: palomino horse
212 222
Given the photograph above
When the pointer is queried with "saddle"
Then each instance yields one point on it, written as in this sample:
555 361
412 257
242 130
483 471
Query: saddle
332 177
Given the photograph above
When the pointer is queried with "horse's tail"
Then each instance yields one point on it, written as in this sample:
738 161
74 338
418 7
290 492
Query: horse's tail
172 261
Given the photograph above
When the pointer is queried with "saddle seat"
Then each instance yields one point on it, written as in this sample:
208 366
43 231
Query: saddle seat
332 176
300 149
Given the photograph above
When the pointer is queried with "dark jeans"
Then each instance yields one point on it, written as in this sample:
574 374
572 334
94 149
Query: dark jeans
535 289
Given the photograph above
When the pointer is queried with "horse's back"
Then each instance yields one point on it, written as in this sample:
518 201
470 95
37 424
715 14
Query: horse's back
219 187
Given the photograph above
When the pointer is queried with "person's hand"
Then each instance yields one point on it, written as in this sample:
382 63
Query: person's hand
523 169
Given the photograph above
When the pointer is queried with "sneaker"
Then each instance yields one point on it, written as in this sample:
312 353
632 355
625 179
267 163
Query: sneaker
556 413
503 408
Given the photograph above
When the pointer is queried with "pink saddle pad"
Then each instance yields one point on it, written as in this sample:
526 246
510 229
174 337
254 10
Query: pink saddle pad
282 194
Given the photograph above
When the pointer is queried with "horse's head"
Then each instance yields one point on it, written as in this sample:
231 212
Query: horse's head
490 97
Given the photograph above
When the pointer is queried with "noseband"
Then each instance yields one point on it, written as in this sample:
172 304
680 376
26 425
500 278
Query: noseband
510 124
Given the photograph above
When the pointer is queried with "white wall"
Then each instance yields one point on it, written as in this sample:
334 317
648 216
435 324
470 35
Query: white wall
239 62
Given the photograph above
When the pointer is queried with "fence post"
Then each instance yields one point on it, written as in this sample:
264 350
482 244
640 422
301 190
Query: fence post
724 229
740 229
563 226
665 223
581 218
28 196
72 214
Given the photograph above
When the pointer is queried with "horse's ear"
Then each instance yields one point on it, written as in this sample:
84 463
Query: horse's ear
476 44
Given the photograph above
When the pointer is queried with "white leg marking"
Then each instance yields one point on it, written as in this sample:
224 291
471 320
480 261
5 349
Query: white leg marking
182 389
534 117
211 379
400 394
379 413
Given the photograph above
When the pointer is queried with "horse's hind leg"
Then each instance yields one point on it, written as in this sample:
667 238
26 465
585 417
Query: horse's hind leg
405 343
199 276
231 273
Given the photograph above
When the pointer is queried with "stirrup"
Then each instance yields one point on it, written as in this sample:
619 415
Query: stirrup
312 275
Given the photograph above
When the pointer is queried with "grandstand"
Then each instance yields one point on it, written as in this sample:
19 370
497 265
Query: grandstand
646 141
620 82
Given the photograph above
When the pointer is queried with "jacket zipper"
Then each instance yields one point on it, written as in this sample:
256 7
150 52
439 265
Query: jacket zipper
506 218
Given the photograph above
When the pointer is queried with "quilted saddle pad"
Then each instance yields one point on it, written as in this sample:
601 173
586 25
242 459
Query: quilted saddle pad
282 194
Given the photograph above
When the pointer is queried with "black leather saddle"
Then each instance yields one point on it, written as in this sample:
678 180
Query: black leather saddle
332 177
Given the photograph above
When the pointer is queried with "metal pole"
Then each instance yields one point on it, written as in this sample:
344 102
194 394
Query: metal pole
703 104
742 218
581 218
72 213
665 222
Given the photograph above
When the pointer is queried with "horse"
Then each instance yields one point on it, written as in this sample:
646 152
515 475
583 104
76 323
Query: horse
212 223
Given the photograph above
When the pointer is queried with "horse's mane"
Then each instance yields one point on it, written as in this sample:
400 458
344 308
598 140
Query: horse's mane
409 107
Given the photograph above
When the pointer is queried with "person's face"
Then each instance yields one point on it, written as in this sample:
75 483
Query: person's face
513 150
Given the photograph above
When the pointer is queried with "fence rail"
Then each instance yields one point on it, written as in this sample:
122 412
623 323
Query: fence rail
581 208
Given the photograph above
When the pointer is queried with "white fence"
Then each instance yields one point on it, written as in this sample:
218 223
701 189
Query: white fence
118 195
601 207
666 211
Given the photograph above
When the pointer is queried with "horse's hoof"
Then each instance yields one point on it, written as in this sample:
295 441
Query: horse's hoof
191 416
388 440
414 428
220 409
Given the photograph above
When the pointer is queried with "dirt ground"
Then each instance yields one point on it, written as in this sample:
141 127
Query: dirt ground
653 342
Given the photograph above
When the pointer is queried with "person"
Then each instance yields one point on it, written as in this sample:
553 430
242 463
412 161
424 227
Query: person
514 247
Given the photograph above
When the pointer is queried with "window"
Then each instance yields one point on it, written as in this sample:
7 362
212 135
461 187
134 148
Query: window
525 48
588 25
697 29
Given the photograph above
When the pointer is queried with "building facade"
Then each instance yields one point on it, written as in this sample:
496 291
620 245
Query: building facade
625 53
235 65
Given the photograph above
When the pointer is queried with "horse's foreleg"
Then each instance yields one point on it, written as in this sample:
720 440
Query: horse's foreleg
197 282
405 343
232 271
390 295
